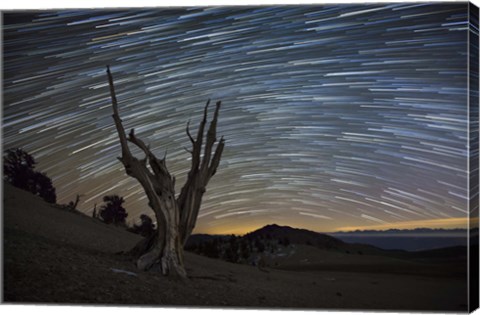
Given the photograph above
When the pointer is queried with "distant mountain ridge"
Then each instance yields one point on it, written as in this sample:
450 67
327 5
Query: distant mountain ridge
372 242
417 231
411 240
272 241
297 236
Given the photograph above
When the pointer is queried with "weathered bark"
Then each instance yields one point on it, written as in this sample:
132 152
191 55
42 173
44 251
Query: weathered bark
176 218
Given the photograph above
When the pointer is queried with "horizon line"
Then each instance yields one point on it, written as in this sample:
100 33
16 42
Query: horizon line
444 223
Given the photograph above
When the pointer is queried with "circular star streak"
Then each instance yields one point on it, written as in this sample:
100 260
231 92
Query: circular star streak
334 116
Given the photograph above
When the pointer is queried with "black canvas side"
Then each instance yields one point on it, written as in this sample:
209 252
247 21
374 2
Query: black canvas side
473 159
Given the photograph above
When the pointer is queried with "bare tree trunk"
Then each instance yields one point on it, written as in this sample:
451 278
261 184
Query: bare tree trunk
73 205
176 218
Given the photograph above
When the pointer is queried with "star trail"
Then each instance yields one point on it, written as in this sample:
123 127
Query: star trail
334 116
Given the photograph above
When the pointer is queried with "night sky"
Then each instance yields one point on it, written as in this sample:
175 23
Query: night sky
334 116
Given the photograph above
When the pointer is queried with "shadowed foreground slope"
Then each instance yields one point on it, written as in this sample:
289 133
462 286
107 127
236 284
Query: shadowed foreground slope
55 256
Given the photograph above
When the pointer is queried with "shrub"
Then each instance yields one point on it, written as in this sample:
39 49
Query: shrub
112 211
19 170
146 228
44 187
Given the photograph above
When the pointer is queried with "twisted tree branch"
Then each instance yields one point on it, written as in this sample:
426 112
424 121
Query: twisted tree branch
175 218
126 154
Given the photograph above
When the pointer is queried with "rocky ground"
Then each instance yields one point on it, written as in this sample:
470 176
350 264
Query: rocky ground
52 256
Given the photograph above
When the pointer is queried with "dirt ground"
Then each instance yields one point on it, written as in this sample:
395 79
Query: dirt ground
52 256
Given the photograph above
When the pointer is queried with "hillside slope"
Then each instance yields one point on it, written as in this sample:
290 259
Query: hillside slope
54 256
287 248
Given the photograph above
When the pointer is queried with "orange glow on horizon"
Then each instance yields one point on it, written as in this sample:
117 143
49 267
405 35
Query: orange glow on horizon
229 229
447 223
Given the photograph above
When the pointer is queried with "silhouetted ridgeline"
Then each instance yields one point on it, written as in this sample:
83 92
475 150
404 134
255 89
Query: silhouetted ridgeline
410 240
284 241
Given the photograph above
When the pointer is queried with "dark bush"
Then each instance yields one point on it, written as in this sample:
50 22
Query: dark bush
112 211
146 228
44 187
19 170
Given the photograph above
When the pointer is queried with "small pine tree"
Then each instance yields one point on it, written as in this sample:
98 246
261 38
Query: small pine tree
260 246
112 211
244 251
44 187
211 249
231 252
19 170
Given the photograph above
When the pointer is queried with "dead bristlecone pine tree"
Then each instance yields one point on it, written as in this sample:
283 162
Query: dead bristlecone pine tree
176 217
